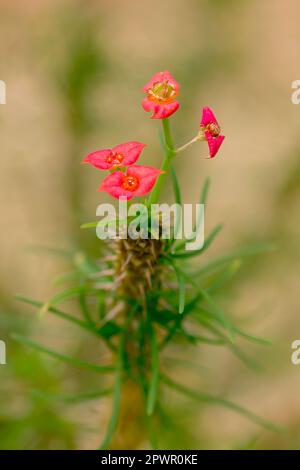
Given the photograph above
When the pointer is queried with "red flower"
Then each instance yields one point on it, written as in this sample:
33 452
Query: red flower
121 155
137 181
161 93
211 130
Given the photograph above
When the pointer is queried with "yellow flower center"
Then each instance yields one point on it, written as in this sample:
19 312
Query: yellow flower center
162 92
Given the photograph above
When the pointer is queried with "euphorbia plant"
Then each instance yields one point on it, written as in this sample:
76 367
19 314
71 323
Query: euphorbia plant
143 296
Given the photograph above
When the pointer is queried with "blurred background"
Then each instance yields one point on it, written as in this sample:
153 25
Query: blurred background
74 72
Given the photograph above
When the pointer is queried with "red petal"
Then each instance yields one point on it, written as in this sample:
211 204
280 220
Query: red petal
112 184
161 77
162 111
147 177
148 105
130 150
98 159
214 143
207 117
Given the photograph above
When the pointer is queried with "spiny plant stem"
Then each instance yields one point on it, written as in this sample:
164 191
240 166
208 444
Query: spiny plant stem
166 165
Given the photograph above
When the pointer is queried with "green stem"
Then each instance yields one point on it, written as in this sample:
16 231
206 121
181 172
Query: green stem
169 154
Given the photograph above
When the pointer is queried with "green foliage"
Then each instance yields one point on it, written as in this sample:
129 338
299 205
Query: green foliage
196 302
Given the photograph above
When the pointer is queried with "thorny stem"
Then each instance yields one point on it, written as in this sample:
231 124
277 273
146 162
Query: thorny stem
169 154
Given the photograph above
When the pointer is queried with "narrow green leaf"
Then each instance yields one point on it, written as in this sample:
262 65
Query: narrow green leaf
208 241
152 394
203 198
63 296
71 360
212 400
67 277
253 338
90 224
181 287
238 331
249 361
178 200
71 398
204 318
152 432
57 312
84 308
102 223
218 313
204 192
242 253
50 250
225 277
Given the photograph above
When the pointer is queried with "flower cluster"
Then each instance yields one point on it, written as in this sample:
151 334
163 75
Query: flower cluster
124 182
127 179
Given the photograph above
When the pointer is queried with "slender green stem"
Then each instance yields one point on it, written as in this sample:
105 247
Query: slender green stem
169 154
191 142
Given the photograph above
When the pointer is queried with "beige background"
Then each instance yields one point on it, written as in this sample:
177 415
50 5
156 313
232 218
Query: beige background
240 58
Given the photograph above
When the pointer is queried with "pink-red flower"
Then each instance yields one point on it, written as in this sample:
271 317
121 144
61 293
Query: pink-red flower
137 181
211 131
161 93
122 155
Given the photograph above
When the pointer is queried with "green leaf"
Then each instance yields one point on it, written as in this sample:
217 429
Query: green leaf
71 398
208 241
203 198
204 318
177 329
254 339
241 253
178 200
84 308
50 250
60 297
181 287
109 329
218 313
67 277
225 277
212 400
204 192
152 393
101 223
57 312
71 360
163 317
